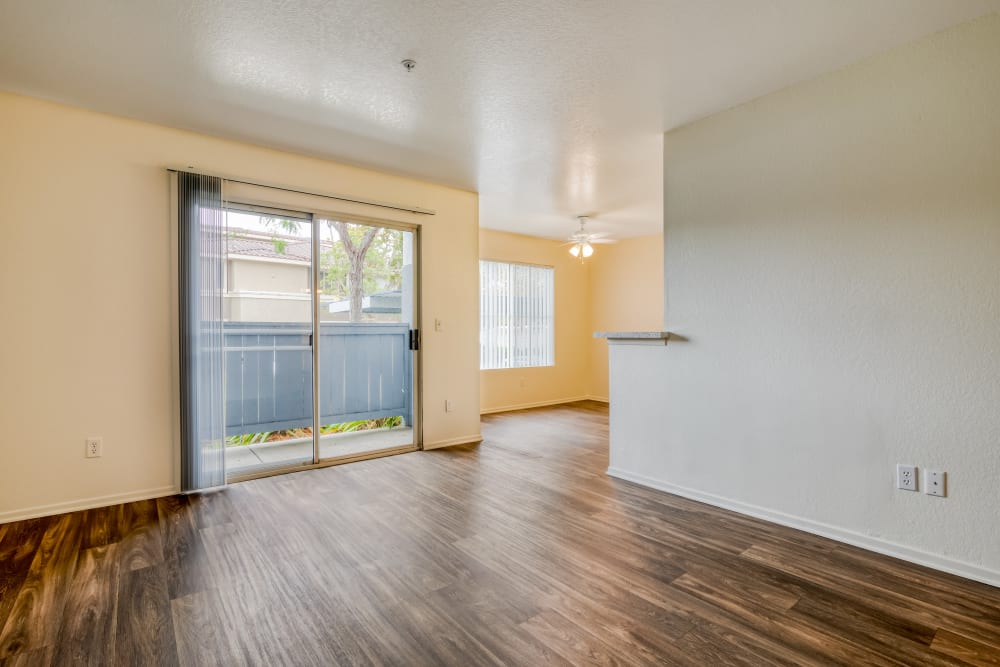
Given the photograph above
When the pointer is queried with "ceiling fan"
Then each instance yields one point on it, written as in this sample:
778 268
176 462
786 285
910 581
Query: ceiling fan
581 241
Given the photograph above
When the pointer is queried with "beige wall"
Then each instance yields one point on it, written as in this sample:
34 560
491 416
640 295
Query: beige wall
626 294
267 291
569 378
86 226
619 288
833 258
252 275
278 308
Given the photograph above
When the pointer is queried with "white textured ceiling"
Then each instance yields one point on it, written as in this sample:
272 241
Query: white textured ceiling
548 109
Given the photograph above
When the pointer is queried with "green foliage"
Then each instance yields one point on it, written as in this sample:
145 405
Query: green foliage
383 263
328 429
280 225
383 266
346 427
247 439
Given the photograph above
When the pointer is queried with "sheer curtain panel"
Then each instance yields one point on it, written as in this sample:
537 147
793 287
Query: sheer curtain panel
201 267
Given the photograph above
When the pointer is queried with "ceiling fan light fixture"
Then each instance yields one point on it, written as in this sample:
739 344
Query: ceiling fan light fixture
581 240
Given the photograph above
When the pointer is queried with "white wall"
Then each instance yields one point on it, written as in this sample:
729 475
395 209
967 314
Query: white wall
86 283
832 255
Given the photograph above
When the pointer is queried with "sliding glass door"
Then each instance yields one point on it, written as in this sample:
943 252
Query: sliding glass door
268 328
366 316
318 320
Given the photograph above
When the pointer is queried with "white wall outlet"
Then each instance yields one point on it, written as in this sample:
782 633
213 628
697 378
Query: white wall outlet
448 406
935 483
93 449
906 477
437 324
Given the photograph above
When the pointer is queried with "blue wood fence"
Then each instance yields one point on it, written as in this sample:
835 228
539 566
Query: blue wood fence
366 372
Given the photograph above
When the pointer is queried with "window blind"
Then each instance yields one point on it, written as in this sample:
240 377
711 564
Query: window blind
201 254
516 315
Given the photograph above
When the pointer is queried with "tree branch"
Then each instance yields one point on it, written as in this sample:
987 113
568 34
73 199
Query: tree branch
366 241
345 238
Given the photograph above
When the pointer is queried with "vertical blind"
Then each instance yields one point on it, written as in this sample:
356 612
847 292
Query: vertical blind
201 253
516 315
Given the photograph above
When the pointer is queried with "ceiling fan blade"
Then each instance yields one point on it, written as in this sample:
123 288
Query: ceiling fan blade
604 241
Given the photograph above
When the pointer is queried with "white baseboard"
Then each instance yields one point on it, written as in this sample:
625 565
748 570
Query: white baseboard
951 566
452 442
539 404
85 504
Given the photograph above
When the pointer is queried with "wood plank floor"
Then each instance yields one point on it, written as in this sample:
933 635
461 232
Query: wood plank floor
520 551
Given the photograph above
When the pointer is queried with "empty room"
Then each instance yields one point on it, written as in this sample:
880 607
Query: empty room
462 332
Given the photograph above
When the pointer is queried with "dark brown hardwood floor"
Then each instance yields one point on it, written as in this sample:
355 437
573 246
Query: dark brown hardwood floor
520 551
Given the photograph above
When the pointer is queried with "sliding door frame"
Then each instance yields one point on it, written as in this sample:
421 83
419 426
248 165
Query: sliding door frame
416 393
314 338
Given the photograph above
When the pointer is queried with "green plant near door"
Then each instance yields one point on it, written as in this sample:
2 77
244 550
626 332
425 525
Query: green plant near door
329 429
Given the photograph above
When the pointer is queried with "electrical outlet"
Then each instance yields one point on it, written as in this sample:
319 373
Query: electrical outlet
906 477
93 449
934 483
448 406
437 324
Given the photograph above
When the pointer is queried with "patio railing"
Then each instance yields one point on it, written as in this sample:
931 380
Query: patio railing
366 372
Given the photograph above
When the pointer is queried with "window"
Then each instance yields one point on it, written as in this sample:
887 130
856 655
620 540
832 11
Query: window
516 315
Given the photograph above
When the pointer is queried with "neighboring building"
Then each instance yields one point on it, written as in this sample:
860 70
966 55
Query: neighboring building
267 280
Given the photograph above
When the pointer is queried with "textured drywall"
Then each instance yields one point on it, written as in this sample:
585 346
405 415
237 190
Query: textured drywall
511 388
626 294
832 257
548 109
86 283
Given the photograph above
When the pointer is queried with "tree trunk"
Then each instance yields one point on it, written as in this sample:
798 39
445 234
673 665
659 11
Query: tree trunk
356 255
356 284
